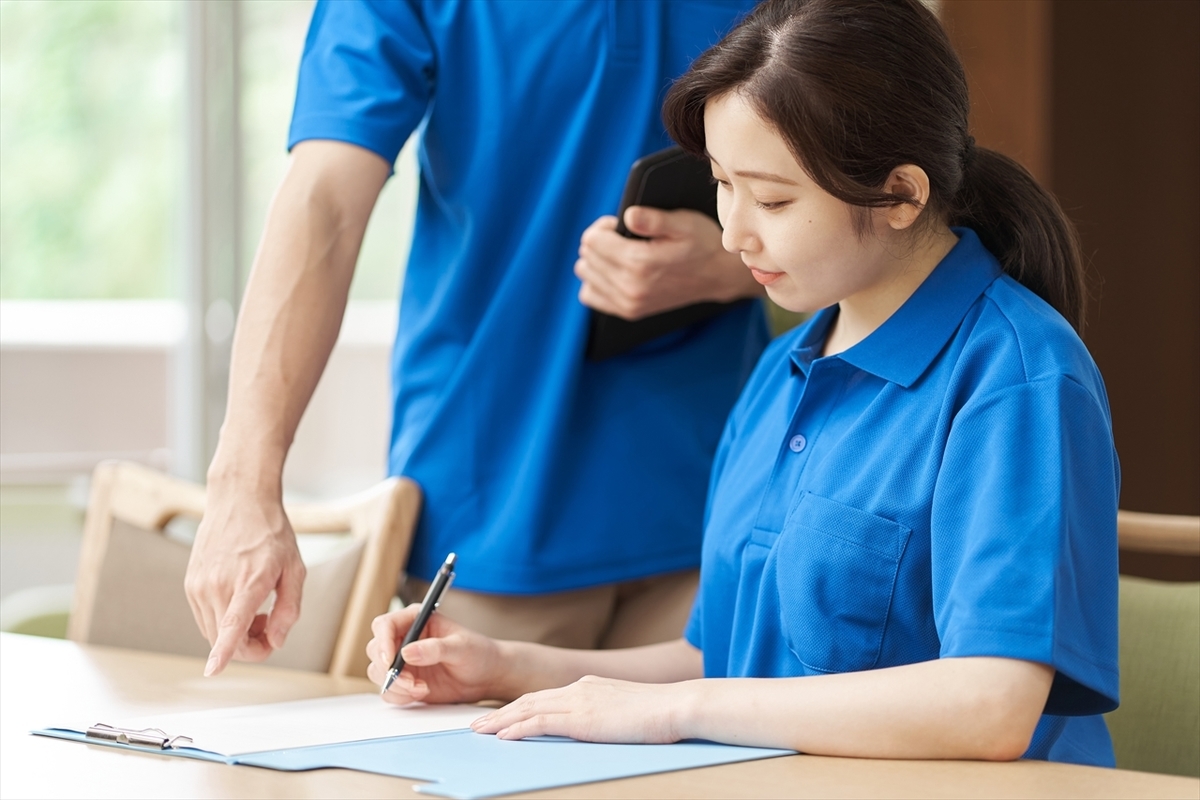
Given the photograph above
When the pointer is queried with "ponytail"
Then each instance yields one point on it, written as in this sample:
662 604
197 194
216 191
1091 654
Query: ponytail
857 88
1024 227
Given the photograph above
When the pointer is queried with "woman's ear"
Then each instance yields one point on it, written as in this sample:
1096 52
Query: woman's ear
910 181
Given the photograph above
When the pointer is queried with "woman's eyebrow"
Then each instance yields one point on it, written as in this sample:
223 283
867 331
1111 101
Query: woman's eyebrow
765 176
761 176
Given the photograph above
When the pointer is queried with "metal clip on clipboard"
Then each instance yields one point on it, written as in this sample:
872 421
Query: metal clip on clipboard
147 737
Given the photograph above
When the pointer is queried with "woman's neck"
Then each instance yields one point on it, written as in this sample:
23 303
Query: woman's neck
861 314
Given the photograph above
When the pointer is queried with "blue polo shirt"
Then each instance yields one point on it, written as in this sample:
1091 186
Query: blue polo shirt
946 487
543 471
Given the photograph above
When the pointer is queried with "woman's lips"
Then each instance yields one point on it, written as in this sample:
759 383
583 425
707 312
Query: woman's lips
764 277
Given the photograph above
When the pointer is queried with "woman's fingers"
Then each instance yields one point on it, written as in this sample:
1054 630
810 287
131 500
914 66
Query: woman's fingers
538 725
592 709
404 690
430 659
548 701
428 652
389 630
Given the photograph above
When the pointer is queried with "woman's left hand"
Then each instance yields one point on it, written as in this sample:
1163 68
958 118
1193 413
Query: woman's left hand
592 710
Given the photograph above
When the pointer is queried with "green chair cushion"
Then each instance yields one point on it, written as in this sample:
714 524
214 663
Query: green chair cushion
52 625
1157 727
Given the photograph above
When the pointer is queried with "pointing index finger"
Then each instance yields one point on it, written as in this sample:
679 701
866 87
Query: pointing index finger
233 629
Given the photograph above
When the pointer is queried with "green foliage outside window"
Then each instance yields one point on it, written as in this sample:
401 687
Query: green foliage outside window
91 148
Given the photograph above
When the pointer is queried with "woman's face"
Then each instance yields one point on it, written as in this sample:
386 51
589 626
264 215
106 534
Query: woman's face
798 240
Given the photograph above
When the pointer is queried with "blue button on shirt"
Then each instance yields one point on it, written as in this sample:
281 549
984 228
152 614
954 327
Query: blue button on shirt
946 487
544 472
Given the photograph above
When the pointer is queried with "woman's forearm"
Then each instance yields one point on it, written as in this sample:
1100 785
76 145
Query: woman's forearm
979 708
532 667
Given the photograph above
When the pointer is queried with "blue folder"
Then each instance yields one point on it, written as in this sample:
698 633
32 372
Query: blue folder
463 764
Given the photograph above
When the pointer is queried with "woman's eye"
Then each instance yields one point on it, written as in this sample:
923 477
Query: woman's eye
771 205
722 183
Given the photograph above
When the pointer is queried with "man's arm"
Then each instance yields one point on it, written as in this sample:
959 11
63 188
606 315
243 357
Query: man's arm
289 322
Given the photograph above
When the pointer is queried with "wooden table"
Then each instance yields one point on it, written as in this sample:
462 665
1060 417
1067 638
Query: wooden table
46 681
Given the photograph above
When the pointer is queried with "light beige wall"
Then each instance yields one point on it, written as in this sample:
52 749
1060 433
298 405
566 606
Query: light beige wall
62 409
65 406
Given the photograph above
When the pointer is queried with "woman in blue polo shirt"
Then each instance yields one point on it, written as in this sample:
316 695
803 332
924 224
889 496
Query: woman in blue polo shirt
910 543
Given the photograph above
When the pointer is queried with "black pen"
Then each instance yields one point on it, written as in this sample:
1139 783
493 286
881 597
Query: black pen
434 596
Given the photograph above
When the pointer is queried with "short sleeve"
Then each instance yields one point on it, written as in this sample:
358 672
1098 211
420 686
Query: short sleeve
366 76
693 632
1024 542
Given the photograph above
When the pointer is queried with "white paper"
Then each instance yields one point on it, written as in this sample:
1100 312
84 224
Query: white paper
302 723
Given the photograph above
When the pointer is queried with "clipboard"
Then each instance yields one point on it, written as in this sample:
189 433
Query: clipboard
227 734
456 762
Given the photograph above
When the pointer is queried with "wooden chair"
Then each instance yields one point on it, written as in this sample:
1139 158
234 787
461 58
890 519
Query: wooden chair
1169 534
1157 727
129 588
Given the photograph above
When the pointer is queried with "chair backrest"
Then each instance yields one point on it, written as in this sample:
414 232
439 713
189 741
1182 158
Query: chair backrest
1168 534
1157 727
129 588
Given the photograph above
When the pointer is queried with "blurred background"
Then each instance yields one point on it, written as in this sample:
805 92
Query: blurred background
140 142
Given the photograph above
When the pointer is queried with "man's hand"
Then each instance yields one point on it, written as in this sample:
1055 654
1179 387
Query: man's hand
245 549
681 263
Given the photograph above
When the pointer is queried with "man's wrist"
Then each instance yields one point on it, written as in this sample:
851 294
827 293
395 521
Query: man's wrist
256 474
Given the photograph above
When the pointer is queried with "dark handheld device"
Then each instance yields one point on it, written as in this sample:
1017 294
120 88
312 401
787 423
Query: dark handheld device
670 179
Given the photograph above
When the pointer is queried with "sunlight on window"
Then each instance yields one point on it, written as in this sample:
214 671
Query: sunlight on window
91 148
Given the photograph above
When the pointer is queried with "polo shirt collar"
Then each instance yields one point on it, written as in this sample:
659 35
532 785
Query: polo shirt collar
904 346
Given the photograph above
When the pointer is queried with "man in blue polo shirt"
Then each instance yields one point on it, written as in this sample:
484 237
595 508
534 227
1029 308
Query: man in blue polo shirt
571 490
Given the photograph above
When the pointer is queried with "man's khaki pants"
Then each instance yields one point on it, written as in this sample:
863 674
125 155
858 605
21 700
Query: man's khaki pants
645 611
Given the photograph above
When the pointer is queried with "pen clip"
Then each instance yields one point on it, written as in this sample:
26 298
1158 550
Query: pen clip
449 581
146 737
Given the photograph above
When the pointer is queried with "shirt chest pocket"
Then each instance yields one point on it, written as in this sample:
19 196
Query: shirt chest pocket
835 570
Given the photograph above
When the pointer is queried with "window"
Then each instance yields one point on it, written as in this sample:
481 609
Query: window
91 148
140 145
110 282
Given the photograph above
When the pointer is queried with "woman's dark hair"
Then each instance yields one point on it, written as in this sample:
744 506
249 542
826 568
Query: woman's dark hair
858 87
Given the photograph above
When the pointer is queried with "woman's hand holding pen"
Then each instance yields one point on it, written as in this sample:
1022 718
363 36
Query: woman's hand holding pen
652 685
451 664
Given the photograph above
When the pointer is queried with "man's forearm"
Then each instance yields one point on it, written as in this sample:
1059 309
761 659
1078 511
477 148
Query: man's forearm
293 307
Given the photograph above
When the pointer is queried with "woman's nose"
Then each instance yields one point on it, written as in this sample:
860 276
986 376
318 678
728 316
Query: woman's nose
735 237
